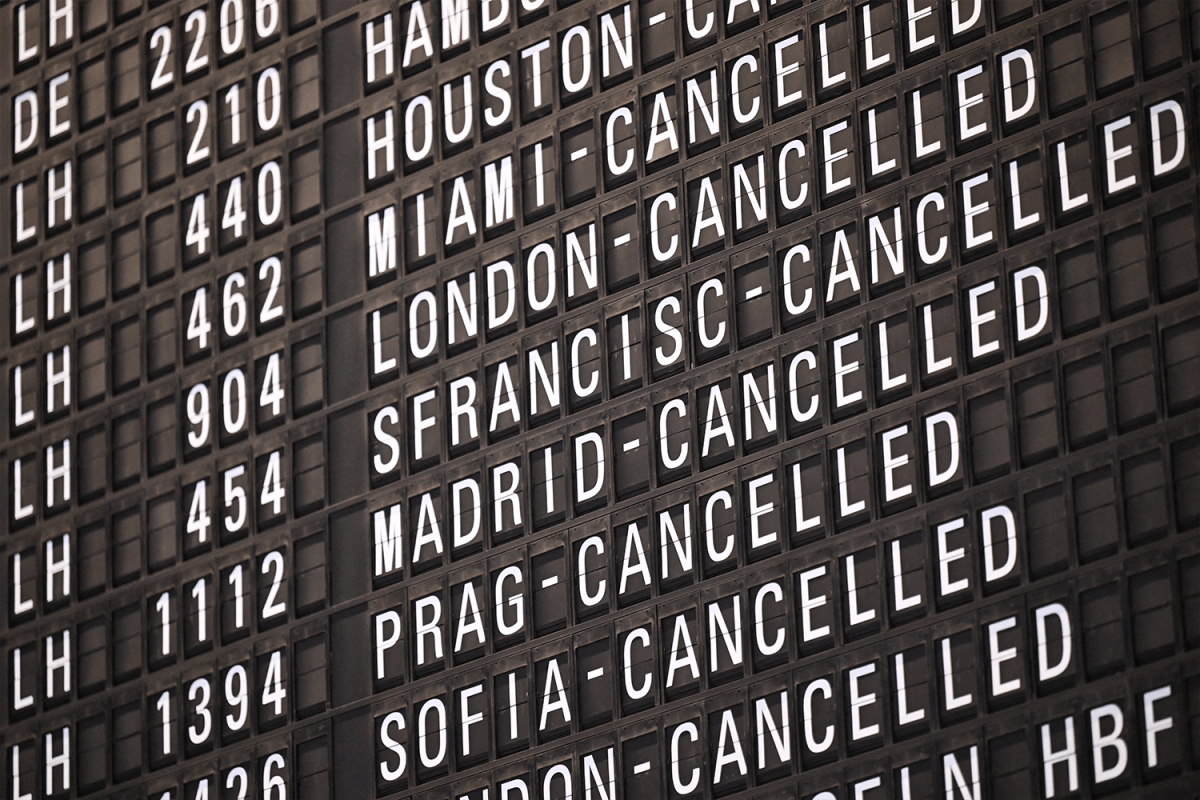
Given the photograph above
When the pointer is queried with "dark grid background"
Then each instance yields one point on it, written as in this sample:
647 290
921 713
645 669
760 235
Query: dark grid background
1087 432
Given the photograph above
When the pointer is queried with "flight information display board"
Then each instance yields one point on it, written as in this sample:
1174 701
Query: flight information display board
547 399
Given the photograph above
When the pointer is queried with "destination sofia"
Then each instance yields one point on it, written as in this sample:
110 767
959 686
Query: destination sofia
767 733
